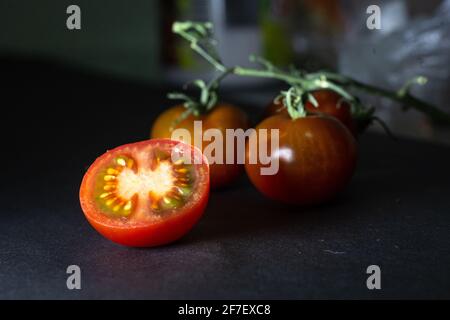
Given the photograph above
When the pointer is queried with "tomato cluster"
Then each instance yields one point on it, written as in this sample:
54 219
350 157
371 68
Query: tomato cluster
153 192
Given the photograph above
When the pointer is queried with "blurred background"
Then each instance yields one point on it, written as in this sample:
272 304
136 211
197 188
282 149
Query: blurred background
132 44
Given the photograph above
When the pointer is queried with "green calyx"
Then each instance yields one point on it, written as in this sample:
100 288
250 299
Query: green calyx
294 100
206 101
203 104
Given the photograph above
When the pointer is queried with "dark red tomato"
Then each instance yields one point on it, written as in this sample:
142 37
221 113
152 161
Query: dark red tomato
316 156
329 103
221 117
147 193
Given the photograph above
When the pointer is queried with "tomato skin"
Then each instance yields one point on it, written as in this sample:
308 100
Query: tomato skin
329 103
317 159
151 235
222 117
158 233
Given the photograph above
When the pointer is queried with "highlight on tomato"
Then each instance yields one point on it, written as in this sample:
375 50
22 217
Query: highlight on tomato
328 103
316 156
213 115
147 193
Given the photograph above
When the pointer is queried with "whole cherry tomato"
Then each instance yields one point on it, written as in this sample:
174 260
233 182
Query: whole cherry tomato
140 195
221 117
316 156
329 103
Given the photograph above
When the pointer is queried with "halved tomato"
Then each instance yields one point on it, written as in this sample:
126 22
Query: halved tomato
146 193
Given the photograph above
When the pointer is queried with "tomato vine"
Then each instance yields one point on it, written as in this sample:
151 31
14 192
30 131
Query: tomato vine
302 83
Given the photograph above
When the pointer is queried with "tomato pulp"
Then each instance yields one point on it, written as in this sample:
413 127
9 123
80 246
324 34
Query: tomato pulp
316 156
221 117
146 193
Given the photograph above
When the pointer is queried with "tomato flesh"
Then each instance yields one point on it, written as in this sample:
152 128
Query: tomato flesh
147 193
316 156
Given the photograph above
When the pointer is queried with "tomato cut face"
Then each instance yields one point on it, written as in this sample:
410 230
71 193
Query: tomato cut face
147 193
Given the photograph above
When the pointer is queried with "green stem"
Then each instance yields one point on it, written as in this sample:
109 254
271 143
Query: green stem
248 72
310 84
183 28
214 83
406 100
217 64
402 96
194 32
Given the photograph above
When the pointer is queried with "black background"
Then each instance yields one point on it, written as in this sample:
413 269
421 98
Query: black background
56 121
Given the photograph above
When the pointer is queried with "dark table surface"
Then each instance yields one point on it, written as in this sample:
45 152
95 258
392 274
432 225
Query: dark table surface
395 213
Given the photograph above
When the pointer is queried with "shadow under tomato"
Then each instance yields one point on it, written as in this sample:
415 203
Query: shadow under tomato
383 188
243 211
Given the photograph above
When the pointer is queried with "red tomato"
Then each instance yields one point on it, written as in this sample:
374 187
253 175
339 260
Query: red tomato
329 103
221 117
316 156
146 193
